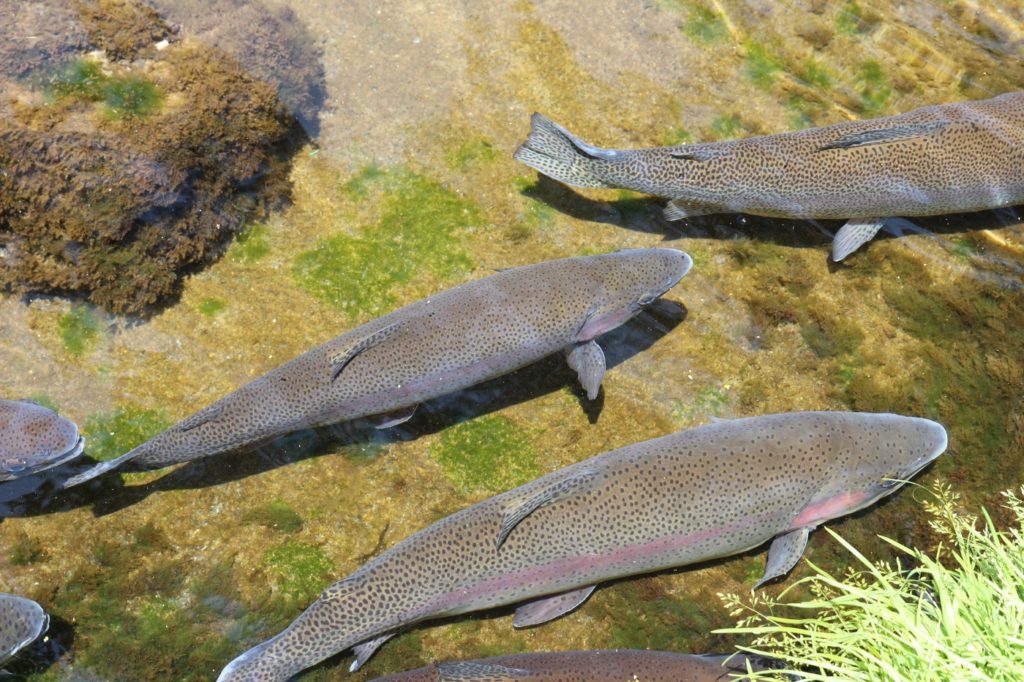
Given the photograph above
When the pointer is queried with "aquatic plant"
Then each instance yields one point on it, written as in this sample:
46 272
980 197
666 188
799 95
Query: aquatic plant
130 97
419 229
115 433
676 136
252 244
79 329
762 65
851 19
81 79
955 614
26 549
728 127
300 571
704 25
491 454
872 87
471 151
276 515
210 307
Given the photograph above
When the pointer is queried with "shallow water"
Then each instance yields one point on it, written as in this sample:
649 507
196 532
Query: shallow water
409 188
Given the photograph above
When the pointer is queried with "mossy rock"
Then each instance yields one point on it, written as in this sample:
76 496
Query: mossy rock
491 454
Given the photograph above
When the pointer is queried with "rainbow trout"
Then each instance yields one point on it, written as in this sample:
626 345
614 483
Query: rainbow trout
34 438
950 158
22 621
445 343
688 497
616 665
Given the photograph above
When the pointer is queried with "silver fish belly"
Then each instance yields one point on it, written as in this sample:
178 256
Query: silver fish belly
949 158
691 496
445 343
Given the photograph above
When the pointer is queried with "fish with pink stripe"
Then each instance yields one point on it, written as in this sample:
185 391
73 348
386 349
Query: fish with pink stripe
692 496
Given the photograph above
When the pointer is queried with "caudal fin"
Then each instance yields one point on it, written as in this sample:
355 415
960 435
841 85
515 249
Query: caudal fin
101 468
557 153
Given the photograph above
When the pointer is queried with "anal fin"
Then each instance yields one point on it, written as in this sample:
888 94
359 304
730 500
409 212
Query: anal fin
366 649
519 509
853 235
678 209
783 554
549 608
588 361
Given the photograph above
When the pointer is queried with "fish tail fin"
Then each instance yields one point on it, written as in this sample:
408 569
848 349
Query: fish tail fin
102 468
557 153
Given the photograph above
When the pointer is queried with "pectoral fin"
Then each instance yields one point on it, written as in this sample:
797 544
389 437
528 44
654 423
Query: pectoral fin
853 235
783 554
677 209
588 361
393 418
365 650
549 608
471 671
519 509
340 359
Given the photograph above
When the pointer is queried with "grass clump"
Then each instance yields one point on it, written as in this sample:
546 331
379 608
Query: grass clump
491 454
419 230
79 329
761 65
114 433
955 615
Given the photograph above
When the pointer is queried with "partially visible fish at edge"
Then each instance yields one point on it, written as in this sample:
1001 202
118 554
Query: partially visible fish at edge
34 438
949 158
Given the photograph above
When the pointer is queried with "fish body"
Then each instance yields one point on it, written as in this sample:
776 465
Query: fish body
949 158
34 438
688 497
21 622
616 665
452 340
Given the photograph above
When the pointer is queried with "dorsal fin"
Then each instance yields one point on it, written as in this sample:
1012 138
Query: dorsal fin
519 509
885 135
473 671
201 417
340 359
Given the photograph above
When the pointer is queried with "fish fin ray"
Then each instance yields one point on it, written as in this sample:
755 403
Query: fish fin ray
340 360
520 509
366 649
472 671
549 608
865 138
554 151
783 554
201 417
854 234
386 420
587 359
100 469
678 209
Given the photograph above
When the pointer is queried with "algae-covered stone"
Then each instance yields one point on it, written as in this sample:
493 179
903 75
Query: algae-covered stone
491 453
129 165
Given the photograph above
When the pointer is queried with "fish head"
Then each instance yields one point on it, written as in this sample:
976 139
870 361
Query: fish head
627 281
33 438
21 622
883 452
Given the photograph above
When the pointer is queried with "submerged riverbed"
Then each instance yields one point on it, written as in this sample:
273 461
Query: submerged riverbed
407 187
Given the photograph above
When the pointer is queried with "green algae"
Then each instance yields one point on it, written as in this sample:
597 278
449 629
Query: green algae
44 400
79 329
81 79
471 152
130 97
676 136
728 127
276 515
211 307
762 65
27 549
813 72
710 401
421 227
704 25
299 571
491 454
851 19
252 244
114 433
873 87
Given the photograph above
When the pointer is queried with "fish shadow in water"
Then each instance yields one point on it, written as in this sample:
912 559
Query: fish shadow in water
644 214
109 494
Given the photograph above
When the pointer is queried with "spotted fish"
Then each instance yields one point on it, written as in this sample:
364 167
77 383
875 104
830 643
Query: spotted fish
618 665
950 158
445 343
688 497
34 438
21 622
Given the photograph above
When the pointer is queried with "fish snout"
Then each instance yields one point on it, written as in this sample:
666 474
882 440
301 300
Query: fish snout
934 442
673 265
